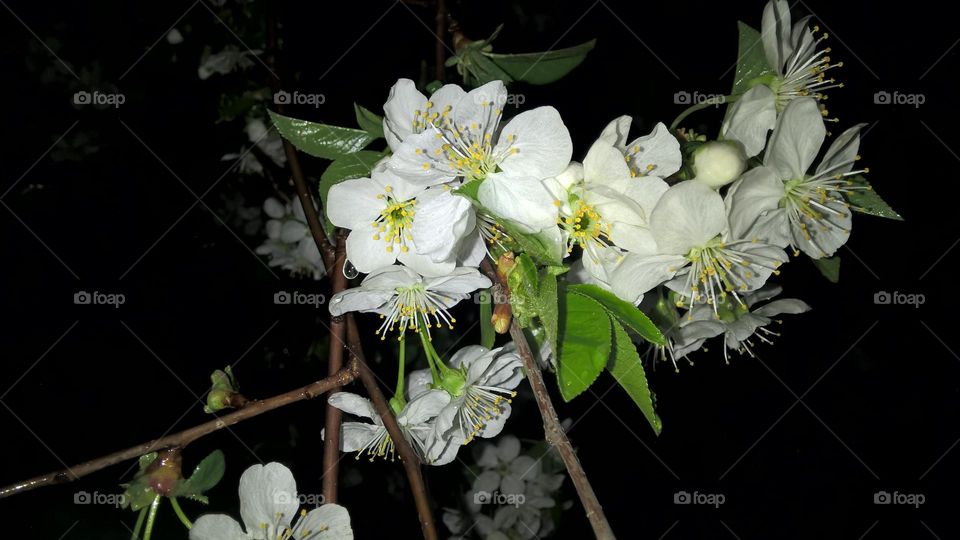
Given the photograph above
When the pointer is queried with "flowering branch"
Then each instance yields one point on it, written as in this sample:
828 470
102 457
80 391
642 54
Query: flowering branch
553 431
183 438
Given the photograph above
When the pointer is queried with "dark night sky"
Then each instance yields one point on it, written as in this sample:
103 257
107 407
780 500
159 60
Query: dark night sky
855 397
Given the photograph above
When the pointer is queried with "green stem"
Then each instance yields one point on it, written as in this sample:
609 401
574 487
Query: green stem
139 525
151 517
179 511
401 369
703 105
427 347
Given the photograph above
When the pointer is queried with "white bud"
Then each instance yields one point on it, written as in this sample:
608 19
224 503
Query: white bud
717 163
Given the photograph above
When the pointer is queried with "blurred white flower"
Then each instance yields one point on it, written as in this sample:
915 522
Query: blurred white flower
226 61
289 243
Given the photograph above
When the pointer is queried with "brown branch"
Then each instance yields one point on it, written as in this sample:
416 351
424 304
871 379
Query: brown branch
553 431
411 463
333 415
185 437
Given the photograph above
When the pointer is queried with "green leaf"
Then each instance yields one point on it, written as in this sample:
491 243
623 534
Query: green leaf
369 121
866 201
524 283
356 165
548 308
541 67
830 268
477 69
321 140
487 333
623 311
751 60
541 246
627 369
584 344
206 475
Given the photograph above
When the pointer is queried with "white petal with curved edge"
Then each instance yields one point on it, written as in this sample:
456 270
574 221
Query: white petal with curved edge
216 527
460 281
635 274
757 193
824 237
355 436
604 165
328 522
535 143
389 278
472 250
494 426
842 153
617 131
354 202
418 382
796 140
358 299
466 356
403 103
274 226
657 153
426 266
424 407
292 231
508 448
267 491
367 250
353 404
750 119
521 199
441 220
775 33
417 161
790 306
688 215
476 109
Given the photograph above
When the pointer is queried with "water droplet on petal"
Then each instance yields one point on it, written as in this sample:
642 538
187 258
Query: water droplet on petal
349 270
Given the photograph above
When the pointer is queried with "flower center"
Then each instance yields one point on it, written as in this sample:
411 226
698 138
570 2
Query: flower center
586 227
717 268
414 307
480 405
392 226
804 74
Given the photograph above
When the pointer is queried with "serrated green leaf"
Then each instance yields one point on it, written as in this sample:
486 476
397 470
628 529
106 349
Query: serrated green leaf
478 69
541 67
623 311
540 246
627 369
751 60
829 267
321 140
866 201
205 476
584 344
369 121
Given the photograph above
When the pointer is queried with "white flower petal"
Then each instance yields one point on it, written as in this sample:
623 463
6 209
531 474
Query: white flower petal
842 153
475 109
354 202
418 382
367 250
521 199
538 142
402 103
355 436
353 404
274 208
756 195
604 164
424 407
688 215
656 154
328 522
358 299
216 527
266 492
459 283
750 118
796 140
617 131
790 306
440 222
775 33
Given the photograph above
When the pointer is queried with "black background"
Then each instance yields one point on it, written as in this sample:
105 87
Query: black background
878 407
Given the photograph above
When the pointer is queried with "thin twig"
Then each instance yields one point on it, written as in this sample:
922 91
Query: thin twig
185 437
553 431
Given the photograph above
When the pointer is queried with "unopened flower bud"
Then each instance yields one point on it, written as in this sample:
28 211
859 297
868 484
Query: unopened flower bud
501 318
717 163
